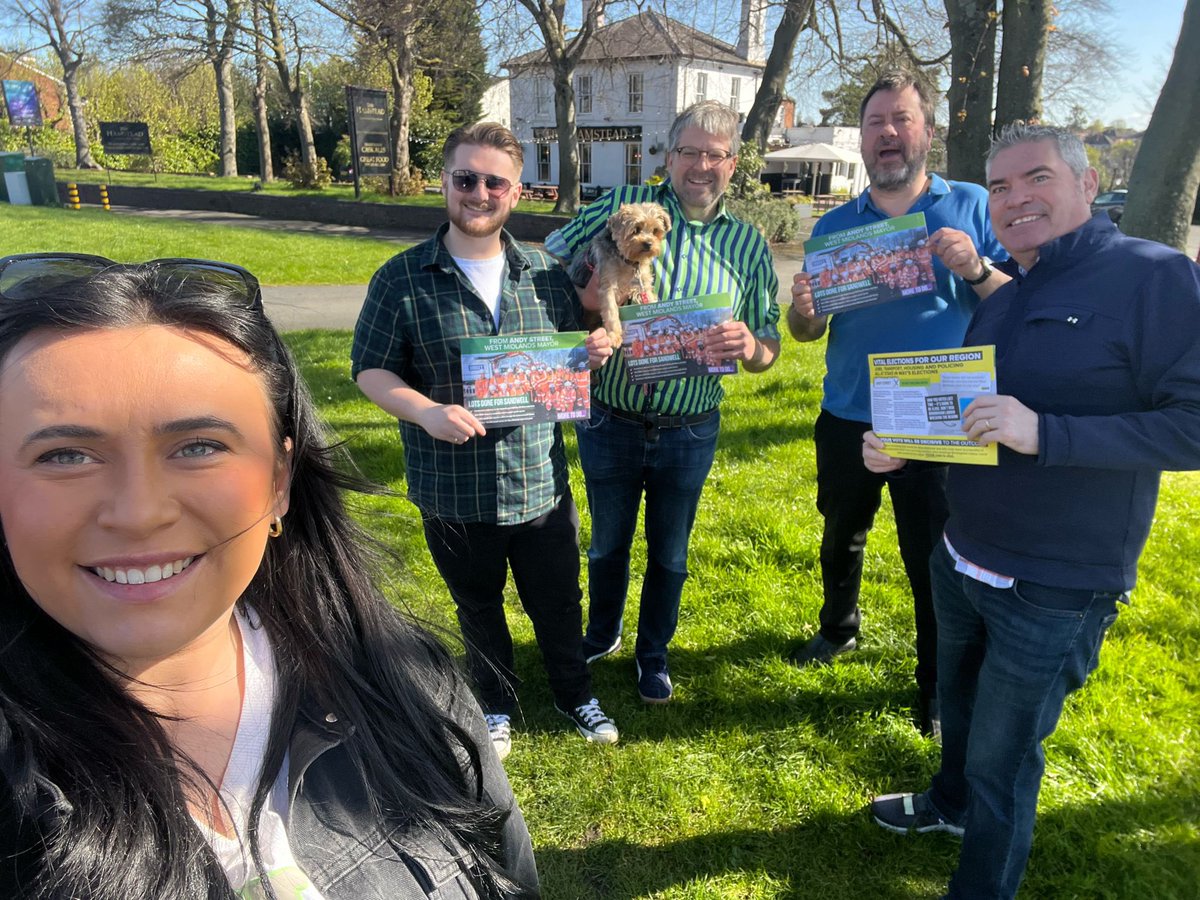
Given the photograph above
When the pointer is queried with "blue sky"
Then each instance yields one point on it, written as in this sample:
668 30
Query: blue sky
1147 31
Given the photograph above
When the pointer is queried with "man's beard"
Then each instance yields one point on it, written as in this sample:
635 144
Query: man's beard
477 226
893 177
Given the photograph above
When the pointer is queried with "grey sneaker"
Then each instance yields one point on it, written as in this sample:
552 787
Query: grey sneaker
591 722
911 814
818 651
593 651
500 731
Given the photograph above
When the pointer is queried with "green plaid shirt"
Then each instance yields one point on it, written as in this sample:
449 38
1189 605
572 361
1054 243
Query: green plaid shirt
419 307
722 256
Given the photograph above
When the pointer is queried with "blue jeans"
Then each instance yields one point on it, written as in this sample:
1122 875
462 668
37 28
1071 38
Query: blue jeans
1007 659
622 460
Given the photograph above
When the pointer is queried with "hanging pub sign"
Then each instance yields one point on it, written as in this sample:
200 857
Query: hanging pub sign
588 134
125 138
21 100
370 131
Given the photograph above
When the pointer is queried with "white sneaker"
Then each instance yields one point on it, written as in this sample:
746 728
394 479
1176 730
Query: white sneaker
500 731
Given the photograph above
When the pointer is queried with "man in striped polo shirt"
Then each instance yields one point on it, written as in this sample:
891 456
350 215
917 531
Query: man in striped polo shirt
659 440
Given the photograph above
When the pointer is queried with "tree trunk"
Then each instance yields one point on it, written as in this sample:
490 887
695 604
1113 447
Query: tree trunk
83 148
1166 174
262 124
568 137
292 83
1022 61
223 69
972 48
773 88
400 64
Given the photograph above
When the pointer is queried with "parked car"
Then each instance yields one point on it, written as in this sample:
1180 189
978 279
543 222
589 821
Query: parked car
1113 202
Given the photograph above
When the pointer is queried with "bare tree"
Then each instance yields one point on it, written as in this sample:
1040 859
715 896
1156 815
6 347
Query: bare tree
563 56
262 124
1166 174
972 51
1022 61
797 15
65 24
205 29
286 51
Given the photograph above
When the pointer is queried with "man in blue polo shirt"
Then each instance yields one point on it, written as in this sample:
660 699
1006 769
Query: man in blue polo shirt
897 128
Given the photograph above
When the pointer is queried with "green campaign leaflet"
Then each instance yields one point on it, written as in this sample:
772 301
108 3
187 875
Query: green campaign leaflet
522 378
667 339
870 264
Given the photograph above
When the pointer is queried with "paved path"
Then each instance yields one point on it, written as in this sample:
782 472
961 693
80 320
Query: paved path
336 306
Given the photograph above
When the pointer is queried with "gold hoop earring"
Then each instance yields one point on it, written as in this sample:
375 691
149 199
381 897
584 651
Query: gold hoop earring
276 528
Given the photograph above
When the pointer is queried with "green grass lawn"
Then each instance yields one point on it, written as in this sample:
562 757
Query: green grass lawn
278 188
752 782
275 257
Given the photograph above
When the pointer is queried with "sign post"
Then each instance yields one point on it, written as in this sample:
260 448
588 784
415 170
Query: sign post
370 133
127 139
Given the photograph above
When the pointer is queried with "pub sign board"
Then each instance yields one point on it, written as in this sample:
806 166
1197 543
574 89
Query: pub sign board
587 134
370 130
125 138
21 100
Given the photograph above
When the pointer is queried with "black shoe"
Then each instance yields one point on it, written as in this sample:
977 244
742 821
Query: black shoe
591 722
654 681
911 814
818 651
929 717
593 651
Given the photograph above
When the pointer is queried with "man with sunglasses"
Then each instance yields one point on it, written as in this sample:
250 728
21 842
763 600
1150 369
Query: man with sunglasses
494 498
658 440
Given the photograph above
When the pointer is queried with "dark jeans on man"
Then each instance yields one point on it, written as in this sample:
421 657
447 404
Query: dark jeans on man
622 460
474 559
1007 659
848 496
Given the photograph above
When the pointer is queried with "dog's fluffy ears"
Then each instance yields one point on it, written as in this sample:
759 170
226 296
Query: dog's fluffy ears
633 217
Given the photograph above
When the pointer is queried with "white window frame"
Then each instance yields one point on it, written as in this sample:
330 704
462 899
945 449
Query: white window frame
735 93
633 163
585 162
540 95
583 94
701 86
543 162
636 83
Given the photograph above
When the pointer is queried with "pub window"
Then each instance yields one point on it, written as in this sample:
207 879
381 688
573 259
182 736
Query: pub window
633 163
541 94
735 92
635 92
585 163
583 94
701 86
543 162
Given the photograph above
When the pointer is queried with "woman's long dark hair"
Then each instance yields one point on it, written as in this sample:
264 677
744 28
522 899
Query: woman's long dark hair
336 640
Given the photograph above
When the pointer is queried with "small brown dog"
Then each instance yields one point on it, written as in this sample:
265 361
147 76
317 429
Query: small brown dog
621 256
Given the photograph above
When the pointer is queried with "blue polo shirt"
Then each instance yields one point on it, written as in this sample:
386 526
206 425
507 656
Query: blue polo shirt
925 322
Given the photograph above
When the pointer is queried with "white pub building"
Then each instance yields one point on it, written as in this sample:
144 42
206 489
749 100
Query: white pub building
635 77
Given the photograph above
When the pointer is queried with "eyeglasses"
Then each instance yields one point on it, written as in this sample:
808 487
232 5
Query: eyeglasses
692 154
28 275
464 181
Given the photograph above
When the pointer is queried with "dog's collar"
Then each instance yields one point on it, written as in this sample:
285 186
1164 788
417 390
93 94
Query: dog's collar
607 236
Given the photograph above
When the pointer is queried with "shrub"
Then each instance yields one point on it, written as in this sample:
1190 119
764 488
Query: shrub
412 184
775 219
309 177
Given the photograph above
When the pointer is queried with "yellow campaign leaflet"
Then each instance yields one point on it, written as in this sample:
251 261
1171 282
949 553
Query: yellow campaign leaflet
918 400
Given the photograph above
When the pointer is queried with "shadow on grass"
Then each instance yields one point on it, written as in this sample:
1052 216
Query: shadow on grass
1109 850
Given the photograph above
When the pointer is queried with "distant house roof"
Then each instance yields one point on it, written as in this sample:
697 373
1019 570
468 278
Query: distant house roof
15 69
648 35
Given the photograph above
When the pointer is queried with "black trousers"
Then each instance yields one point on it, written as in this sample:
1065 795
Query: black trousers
848 496
474 559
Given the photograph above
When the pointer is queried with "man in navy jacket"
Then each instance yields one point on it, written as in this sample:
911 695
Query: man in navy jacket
1098 369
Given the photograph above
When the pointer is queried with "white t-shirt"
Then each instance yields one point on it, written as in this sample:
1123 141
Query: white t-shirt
241 778
487 276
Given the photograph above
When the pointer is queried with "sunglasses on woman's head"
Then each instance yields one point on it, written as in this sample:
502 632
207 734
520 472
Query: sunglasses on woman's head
464 181
27 275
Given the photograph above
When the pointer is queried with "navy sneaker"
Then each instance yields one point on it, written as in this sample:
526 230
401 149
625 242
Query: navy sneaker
654 681
593 651
591 722
911 814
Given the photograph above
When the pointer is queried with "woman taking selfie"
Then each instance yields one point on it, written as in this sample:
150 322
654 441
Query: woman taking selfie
202 694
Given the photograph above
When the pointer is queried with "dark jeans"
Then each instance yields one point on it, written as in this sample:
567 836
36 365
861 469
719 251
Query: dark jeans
474 559
621 460
1007 660
848 496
